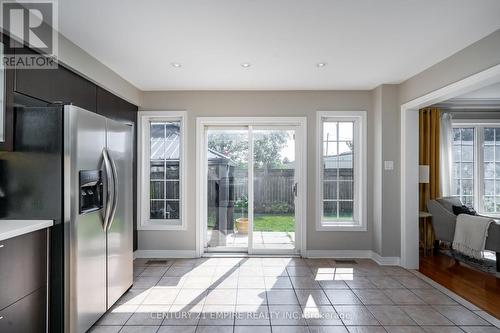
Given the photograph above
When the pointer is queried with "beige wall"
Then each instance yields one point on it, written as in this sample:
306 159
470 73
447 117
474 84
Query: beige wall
473 59
262 103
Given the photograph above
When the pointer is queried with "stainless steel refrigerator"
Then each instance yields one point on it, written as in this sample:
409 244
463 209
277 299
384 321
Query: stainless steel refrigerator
97 162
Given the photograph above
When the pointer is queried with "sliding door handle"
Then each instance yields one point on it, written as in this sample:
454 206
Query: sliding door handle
295 189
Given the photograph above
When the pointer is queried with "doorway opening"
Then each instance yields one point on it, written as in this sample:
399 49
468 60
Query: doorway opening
253 185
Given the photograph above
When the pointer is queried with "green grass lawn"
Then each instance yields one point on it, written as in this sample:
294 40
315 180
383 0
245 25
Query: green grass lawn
264 222
274 223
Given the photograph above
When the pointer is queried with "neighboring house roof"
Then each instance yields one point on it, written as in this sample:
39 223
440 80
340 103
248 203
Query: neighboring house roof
168 148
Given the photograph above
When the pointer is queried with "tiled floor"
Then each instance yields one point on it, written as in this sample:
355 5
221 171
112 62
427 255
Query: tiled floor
261 239
286 295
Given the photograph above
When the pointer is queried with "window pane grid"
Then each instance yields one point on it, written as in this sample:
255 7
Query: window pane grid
337 174
491 170
463 164
164 165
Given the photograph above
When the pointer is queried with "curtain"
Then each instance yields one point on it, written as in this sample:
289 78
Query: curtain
429 144
446 137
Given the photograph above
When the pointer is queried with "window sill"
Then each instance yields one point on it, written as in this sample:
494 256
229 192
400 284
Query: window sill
148 226
340 227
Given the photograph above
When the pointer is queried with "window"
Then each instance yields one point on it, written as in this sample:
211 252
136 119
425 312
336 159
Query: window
162 170
476 166
463 164
342 171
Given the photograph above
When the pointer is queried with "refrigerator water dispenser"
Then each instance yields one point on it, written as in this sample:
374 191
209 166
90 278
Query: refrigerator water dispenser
90 191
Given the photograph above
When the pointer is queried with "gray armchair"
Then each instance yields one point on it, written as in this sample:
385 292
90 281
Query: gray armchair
443 223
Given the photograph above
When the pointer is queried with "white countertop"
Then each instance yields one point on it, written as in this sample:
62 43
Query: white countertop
13 228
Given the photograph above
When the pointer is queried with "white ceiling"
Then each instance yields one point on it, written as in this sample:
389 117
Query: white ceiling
364 42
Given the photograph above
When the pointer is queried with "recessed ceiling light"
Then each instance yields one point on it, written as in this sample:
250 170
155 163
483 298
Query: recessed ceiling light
176 65
321 64
246 65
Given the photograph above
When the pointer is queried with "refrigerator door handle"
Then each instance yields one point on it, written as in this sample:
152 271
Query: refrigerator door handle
109 192
115 193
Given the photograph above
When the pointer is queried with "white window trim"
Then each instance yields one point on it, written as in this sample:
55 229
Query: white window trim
478 126
360 177
145 223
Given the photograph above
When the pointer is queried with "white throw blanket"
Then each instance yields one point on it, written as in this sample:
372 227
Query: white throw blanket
470 235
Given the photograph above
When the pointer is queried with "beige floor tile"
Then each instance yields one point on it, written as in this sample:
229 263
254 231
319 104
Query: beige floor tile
217 315
412 282
161 296
148 315
372 296
251 282
321 315
139 329
252 329
144 282
105 329
183 315
366 329
277 282
191 296
290 329
342 297
252 315
480 329
133 296
402 296
312 297
390 315
442 329
360 282
284 297
304 282
327 329
355 315
433 296
177 329
251 296
118 315
332 284
385 282
154 271
221 297
460 315
214 329
286 315
425 315
404 329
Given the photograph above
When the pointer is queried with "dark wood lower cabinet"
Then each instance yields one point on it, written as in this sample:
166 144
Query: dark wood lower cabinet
23 266
23 283
27 315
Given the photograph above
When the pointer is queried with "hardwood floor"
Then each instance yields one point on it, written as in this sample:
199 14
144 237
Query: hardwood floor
479 288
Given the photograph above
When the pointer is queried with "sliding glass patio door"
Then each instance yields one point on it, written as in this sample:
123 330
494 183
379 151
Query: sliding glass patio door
251 189
274 189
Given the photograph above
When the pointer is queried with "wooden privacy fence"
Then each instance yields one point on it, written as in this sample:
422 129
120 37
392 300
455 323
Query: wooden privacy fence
273 188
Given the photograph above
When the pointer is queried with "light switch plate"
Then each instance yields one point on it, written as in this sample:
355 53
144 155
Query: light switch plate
389 165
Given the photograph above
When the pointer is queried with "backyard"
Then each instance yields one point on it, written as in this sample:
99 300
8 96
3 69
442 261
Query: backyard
267 222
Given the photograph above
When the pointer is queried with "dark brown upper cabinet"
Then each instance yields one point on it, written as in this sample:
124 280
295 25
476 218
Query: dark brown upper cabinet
56 85
112 106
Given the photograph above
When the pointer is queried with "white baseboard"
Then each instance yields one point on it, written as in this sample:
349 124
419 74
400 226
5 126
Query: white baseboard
341 254
165 254
354 254
385 261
